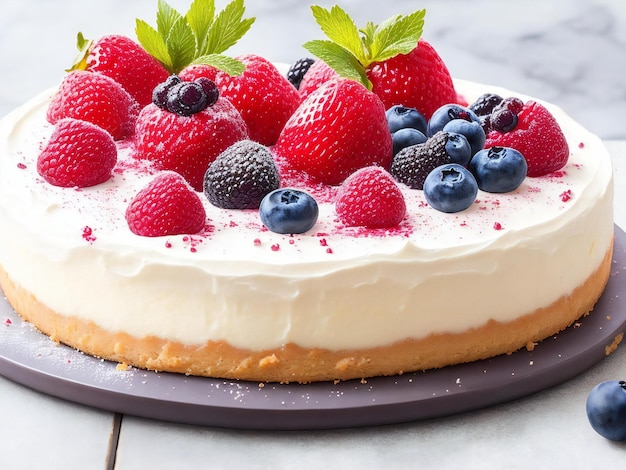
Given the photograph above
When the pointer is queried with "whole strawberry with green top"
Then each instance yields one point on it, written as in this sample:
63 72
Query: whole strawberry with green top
389 59
200 37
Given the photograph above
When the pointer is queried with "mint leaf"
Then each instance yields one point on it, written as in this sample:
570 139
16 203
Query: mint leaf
84 47
166 18
228 27
153 43
339 59
397 35
200 18
368 35
339 28
224 63
181 45
350 51
179 40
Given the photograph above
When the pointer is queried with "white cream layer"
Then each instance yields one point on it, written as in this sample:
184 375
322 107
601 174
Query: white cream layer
327 288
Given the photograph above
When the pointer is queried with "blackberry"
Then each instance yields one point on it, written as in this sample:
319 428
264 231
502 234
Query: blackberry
241 176
412 165
503 120
504 116
210 89
186 98
485 104
297 71
159 94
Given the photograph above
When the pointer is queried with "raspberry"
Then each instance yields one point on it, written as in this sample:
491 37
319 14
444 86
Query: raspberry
241 176
188 144
166 206
78 154
370 198
412 165
538 137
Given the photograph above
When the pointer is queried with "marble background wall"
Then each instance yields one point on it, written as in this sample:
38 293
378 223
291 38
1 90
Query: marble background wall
569 52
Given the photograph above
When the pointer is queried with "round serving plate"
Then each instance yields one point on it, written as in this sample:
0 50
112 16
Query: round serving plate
32 359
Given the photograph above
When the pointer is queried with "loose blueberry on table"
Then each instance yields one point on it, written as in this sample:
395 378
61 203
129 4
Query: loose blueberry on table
606 409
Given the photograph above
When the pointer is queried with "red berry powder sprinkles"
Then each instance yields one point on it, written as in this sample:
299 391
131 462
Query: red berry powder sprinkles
566 195
88 234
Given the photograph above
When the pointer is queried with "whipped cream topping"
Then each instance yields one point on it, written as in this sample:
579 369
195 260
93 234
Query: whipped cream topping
334 287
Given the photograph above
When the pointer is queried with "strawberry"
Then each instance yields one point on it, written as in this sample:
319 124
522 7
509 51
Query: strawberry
318 74
123 60
338 129
370 198
166 206
390 59
419 79
78 154
195 71
188 144
95 98
265 99
537 136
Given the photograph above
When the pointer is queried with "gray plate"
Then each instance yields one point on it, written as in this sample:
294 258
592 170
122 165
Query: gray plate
30 358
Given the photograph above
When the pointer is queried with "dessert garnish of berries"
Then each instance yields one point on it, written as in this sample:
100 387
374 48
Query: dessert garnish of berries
375 110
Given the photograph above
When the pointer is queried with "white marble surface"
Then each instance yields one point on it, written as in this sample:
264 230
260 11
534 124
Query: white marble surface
570 52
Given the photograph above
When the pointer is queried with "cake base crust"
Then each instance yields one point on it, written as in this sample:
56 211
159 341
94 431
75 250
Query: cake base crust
292 363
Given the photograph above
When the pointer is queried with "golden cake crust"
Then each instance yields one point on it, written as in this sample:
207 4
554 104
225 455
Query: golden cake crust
292 363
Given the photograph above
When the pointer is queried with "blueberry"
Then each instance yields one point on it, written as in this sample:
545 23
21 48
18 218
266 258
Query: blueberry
450 188
406 137
606 409
458 149
288 211
498 169
186 98
159 94
472 130
401 117
447 113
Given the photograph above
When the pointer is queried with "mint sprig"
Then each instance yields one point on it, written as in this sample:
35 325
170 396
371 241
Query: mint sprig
198 37
350 50
84 46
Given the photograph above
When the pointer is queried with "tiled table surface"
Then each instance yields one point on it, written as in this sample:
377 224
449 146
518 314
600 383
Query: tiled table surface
569 52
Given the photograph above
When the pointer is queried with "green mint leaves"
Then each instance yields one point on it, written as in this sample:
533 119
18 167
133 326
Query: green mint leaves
350 50
199 37
84 46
